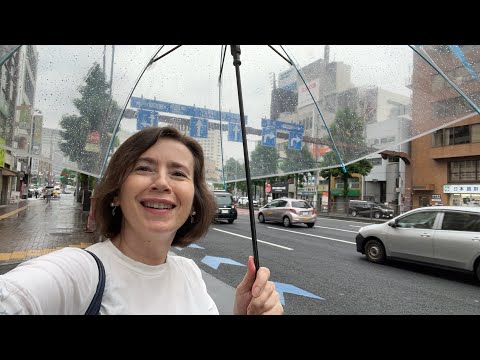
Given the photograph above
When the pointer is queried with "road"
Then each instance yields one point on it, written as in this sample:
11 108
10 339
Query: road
321 272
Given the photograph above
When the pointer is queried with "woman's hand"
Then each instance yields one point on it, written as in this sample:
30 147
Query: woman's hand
257 296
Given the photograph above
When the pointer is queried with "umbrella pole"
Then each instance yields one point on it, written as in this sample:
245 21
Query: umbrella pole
235 50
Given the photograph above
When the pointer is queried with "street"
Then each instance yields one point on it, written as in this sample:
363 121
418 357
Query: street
317 270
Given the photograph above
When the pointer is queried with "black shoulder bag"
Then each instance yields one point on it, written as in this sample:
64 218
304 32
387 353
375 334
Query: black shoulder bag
94 308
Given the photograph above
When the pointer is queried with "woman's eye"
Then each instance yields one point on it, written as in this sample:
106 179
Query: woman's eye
143 168
179 173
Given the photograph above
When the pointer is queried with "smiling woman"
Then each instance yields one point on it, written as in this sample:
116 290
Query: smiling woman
153 195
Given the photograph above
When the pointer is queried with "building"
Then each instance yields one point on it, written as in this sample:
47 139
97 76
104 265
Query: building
446 163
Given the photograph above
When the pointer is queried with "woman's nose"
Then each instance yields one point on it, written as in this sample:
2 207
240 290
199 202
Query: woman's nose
161 183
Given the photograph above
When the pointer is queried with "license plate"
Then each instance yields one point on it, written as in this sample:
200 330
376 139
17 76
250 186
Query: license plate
224 211
305 212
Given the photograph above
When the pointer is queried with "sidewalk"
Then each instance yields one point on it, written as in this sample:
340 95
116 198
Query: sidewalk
32 228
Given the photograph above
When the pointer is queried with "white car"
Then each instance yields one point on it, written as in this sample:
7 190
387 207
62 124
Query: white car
440 236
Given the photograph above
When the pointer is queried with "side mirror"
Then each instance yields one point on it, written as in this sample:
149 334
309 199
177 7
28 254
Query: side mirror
392 224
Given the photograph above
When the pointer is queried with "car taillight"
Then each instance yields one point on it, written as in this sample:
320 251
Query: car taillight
234 206
313 212
292 210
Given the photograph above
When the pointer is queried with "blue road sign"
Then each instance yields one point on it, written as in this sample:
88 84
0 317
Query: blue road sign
198 127
234 132
146 119
214 261
269 136
287 288
283 126
295 140
193 246
179 109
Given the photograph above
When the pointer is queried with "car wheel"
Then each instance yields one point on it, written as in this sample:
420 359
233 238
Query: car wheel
375 251
377 215
261 218
230 221
354 213
286 221
310 225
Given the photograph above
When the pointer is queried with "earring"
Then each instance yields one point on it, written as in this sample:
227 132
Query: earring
192 219
112 204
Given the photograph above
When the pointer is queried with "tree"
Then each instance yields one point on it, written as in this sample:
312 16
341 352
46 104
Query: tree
263 160
348 133
234 169
296 161
348 127
97 115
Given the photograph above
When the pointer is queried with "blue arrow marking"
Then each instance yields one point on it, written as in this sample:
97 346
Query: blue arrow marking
214 261
287 288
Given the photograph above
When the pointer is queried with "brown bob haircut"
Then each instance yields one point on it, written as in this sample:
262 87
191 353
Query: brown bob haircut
121 165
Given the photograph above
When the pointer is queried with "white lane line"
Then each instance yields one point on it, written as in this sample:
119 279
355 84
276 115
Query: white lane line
323 237
324 227
359 222
246 237
354 225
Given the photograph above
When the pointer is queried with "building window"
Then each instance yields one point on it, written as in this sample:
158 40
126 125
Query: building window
458 135
376 161
464 171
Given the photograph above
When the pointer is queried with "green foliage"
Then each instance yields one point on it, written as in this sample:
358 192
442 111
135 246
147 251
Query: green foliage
348 127
234 169
263 160
348 133
97 112
298 160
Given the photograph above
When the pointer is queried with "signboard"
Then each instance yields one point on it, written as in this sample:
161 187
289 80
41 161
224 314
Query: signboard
304 97
462 189
280 188
282 126
179 109
268 188
234 132
295 141
93 142
146 119
198 127
269 136
34 169
14 197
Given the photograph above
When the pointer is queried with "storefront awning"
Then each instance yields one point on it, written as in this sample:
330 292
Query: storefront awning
6 172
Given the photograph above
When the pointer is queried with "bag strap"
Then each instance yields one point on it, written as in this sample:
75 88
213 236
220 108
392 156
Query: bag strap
94 308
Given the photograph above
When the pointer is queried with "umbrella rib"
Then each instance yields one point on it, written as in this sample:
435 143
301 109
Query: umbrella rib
283 57
168 52
222 61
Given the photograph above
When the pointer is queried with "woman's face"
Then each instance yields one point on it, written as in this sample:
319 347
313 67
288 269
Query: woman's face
157 196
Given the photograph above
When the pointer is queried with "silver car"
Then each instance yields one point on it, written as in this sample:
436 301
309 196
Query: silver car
288 211
441 236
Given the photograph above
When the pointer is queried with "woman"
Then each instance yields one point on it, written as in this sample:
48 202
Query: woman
153 196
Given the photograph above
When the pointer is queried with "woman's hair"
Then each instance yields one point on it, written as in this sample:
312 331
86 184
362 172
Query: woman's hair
122 163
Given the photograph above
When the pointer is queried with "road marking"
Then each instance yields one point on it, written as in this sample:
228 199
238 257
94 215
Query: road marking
246 237
360 222
355 225
37 252
324 227
323 237
12 212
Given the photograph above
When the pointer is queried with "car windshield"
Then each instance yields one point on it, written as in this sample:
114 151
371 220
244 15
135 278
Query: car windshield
383 206
224 199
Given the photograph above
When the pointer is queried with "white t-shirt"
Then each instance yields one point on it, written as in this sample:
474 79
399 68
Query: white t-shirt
64 282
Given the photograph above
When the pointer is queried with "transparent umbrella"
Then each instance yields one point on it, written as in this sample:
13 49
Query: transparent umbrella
281 111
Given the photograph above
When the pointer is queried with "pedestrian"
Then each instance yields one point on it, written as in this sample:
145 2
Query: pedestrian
152 196
36 193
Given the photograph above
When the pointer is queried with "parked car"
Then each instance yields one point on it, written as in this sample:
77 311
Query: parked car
243 201
226 208
446 236
376 210
288 211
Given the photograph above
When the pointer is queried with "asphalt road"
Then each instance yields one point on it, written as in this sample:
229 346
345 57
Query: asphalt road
320 271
